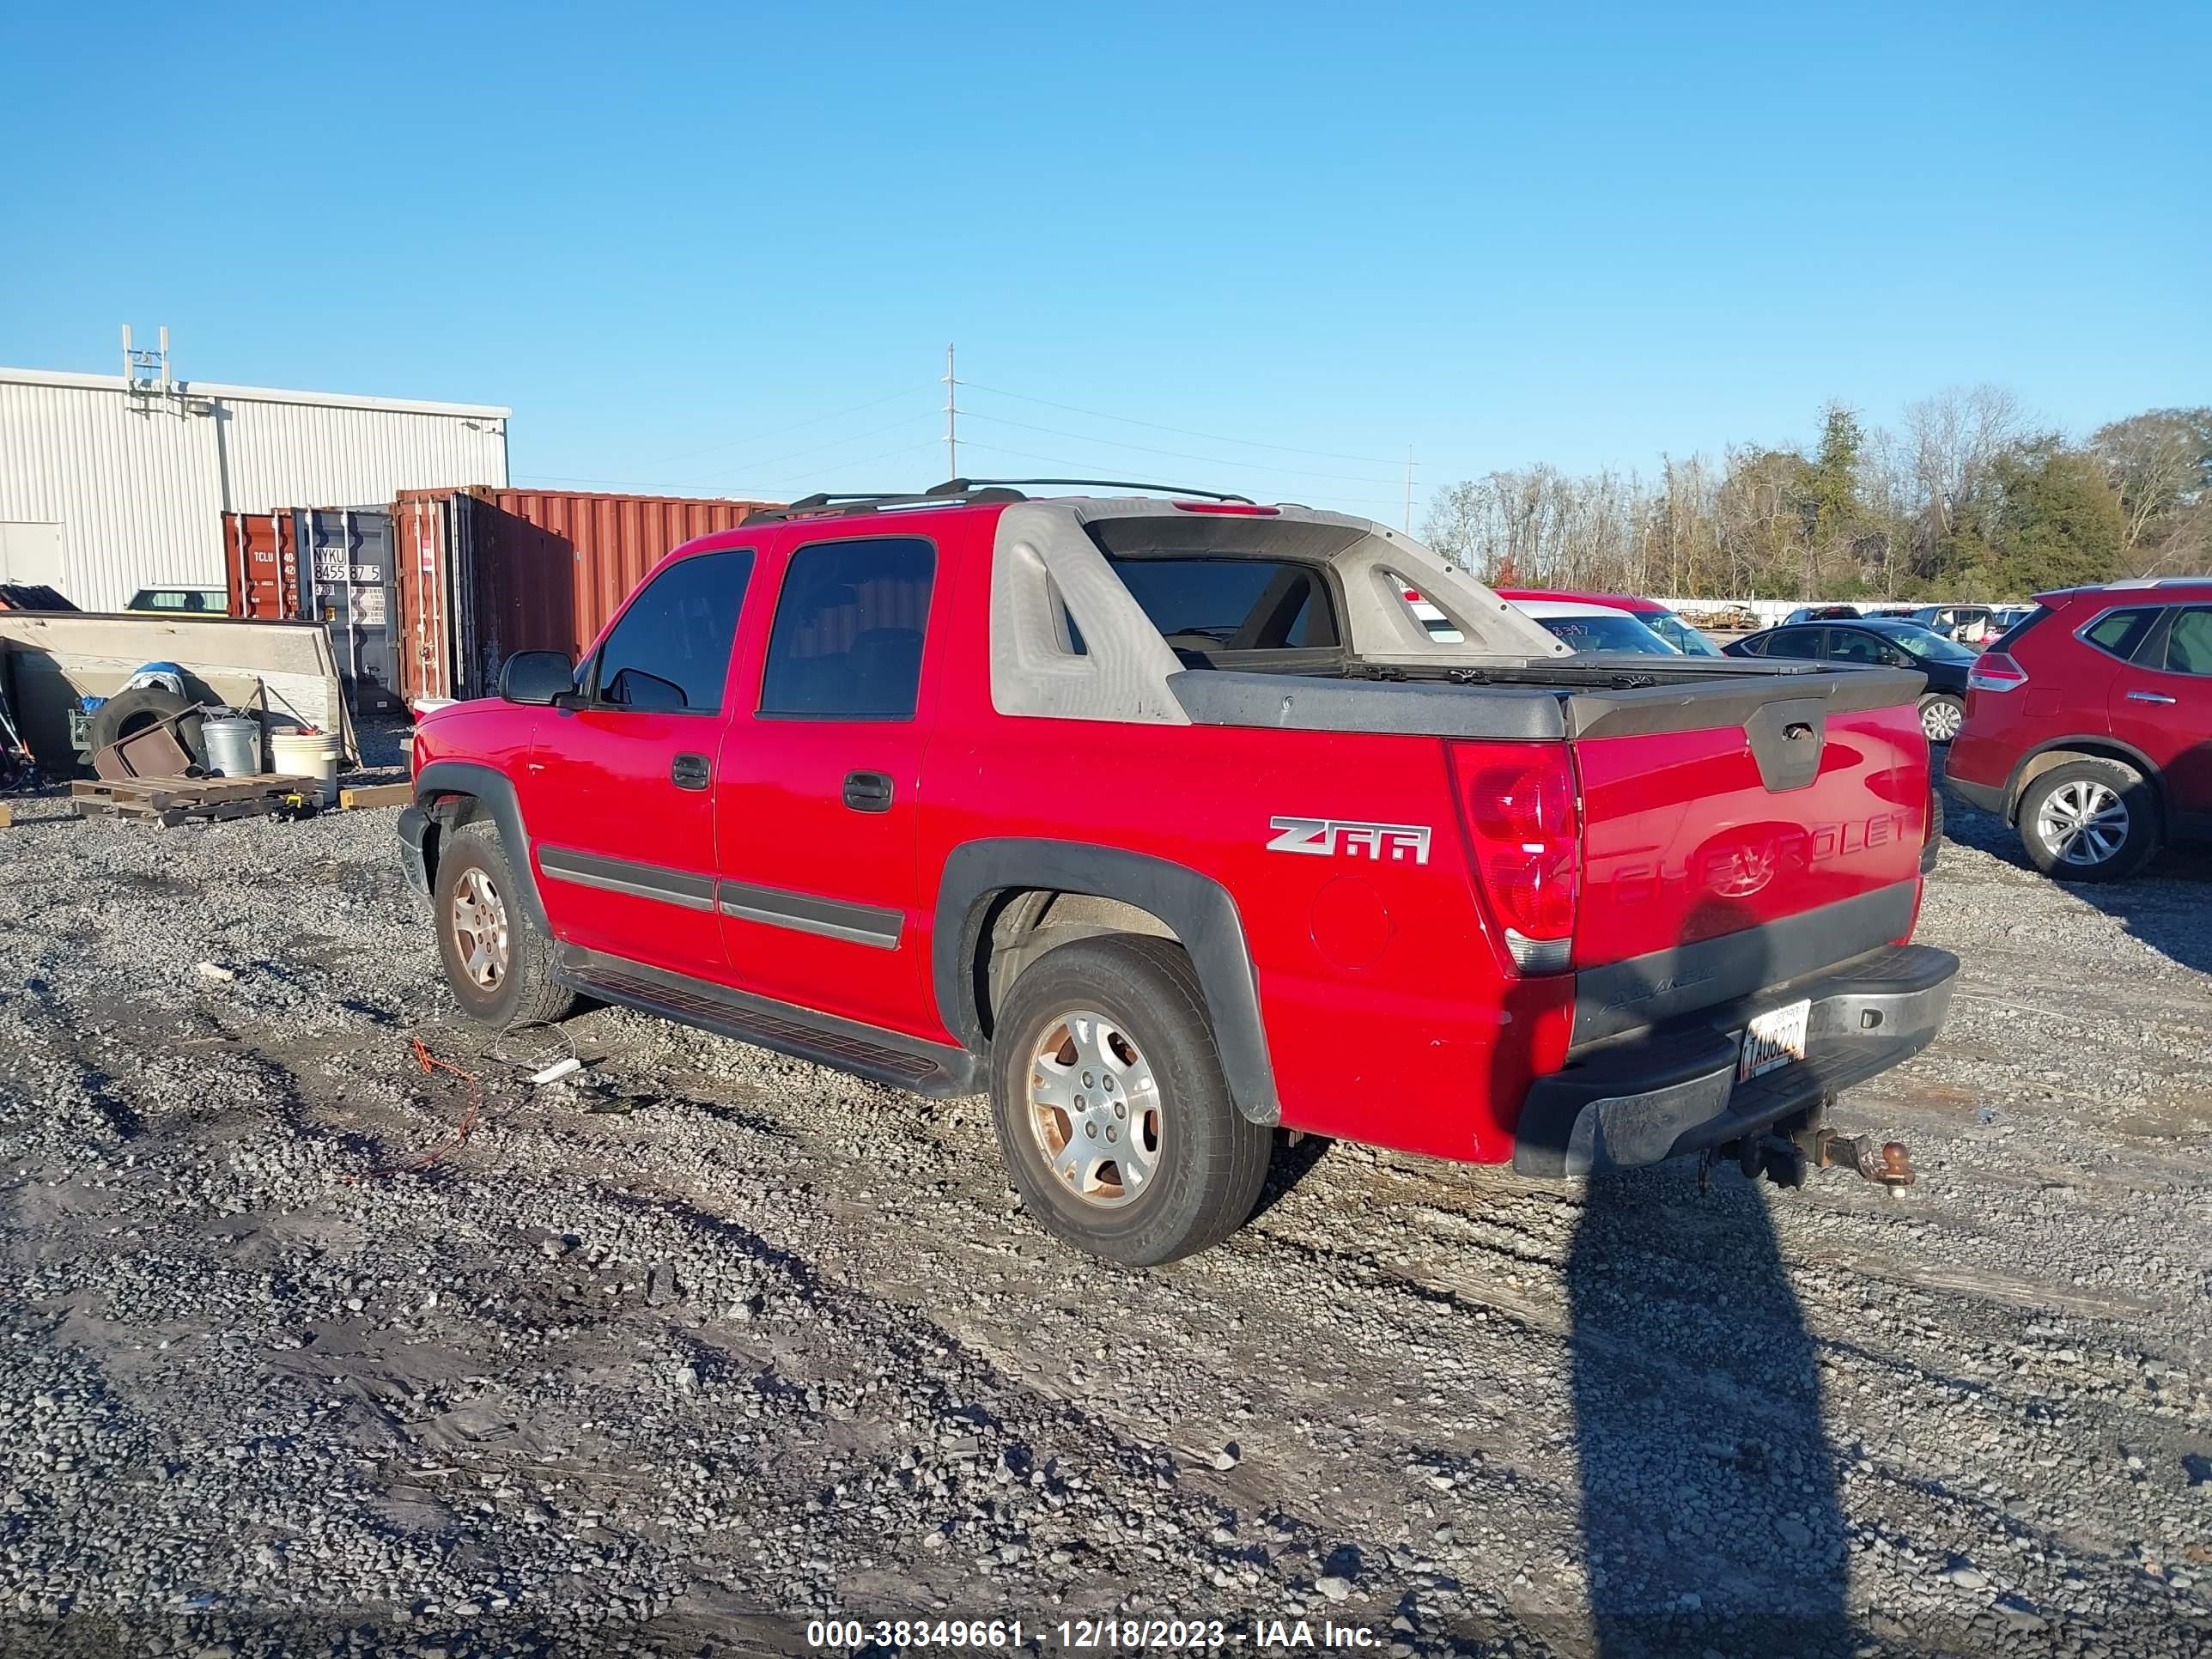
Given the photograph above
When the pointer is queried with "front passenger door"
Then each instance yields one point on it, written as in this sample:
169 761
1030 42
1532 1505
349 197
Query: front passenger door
618 796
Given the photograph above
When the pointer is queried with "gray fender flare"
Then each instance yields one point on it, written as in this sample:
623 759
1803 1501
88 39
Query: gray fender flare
495 791
1199 910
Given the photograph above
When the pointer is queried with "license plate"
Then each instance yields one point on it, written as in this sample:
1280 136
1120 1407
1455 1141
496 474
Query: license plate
1774 1038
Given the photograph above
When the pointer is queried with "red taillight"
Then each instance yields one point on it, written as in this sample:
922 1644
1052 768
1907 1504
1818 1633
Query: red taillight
1993 671
1524 830
1235 509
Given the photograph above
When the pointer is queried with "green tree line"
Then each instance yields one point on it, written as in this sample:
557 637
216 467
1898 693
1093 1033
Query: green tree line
1966 499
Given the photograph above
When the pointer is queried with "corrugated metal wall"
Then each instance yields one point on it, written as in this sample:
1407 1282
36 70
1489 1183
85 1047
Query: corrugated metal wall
139 482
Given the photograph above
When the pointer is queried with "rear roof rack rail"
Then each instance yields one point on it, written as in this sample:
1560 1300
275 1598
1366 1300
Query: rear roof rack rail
833 504
961 486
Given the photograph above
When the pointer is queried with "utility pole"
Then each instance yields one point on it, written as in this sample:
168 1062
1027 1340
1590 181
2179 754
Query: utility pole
951 420
1409 489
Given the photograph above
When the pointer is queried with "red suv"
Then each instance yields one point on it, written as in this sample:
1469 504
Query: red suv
2089 726
1166 823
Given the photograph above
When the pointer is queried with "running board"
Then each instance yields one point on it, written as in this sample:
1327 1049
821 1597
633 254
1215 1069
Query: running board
934 1069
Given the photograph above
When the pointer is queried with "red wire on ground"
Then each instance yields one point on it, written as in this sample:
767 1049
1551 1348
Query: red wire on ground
423 1160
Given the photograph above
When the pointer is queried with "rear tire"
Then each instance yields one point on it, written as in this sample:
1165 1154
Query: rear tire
498 962
1113 1112
1941 714
2089 820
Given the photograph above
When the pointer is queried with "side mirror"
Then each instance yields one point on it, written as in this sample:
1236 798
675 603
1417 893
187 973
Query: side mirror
536 677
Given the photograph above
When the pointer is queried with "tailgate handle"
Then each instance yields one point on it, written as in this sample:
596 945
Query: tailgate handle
1786 739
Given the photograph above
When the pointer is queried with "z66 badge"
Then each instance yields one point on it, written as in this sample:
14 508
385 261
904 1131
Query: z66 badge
1332 836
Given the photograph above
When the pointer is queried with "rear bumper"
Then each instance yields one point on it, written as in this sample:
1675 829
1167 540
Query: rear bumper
1626 1104
414 830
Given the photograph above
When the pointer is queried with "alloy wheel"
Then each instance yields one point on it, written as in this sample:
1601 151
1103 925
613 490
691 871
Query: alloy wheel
1940 720
1094 1108
479 918
2083 823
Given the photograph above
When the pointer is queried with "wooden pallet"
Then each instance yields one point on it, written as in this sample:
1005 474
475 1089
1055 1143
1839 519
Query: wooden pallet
167 801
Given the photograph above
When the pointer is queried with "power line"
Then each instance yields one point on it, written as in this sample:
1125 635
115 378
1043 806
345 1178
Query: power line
816 449
1181 431
865 460
1078 466
795 426
1180 455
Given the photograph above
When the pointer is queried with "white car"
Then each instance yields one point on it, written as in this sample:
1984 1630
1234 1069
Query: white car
1583 626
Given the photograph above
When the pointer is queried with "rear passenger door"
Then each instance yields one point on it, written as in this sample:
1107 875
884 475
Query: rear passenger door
617 792
815 801
2162 703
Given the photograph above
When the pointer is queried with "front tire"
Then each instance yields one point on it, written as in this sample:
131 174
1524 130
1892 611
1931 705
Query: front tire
2089 820
498 962
1113 1112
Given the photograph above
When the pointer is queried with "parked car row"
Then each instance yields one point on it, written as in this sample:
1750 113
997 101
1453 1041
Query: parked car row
1587 621
1879 642
2085 721
1967 625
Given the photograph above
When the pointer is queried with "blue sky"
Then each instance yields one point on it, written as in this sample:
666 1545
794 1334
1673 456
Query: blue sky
721 250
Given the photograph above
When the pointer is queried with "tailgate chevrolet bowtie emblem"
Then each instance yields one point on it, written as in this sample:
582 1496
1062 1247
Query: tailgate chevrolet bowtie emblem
1326 837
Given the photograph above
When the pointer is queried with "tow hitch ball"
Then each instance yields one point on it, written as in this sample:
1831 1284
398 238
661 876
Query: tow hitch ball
1785 1159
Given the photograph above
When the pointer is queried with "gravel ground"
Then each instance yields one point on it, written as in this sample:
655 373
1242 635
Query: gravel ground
701 1343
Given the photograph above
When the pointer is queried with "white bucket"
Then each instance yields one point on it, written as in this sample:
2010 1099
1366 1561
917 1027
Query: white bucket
307 755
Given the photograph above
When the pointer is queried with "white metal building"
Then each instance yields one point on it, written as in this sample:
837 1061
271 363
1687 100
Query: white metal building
110 484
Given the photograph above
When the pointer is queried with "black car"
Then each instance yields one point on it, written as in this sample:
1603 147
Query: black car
1879 642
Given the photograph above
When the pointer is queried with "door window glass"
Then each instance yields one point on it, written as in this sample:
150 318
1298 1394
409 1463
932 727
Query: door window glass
2120 632
848 630
1795 642
669 652
2189 643
1849 645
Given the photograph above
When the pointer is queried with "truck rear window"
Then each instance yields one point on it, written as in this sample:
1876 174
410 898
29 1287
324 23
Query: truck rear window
1230 604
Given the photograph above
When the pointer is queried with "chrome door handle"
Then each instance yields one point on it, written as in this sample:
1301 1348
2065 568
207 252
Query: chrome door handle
2148 696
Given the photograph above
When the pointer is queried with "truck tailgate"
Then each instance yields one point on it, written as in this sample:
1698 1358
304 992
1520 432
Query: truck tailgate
1720 859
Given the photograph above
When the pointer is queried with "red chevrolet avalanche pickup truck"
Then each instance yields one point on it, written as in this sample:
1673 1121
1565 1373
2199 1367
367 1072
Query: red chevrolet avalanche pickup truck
1166 822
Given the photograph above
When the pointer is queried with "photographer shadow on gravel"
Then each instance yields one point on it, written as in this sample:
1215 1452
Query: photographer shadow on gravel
1711 1514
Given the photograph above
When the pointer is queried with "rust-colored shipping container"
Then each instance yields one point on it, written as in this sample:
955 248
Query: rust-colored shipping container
486 572
261 566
